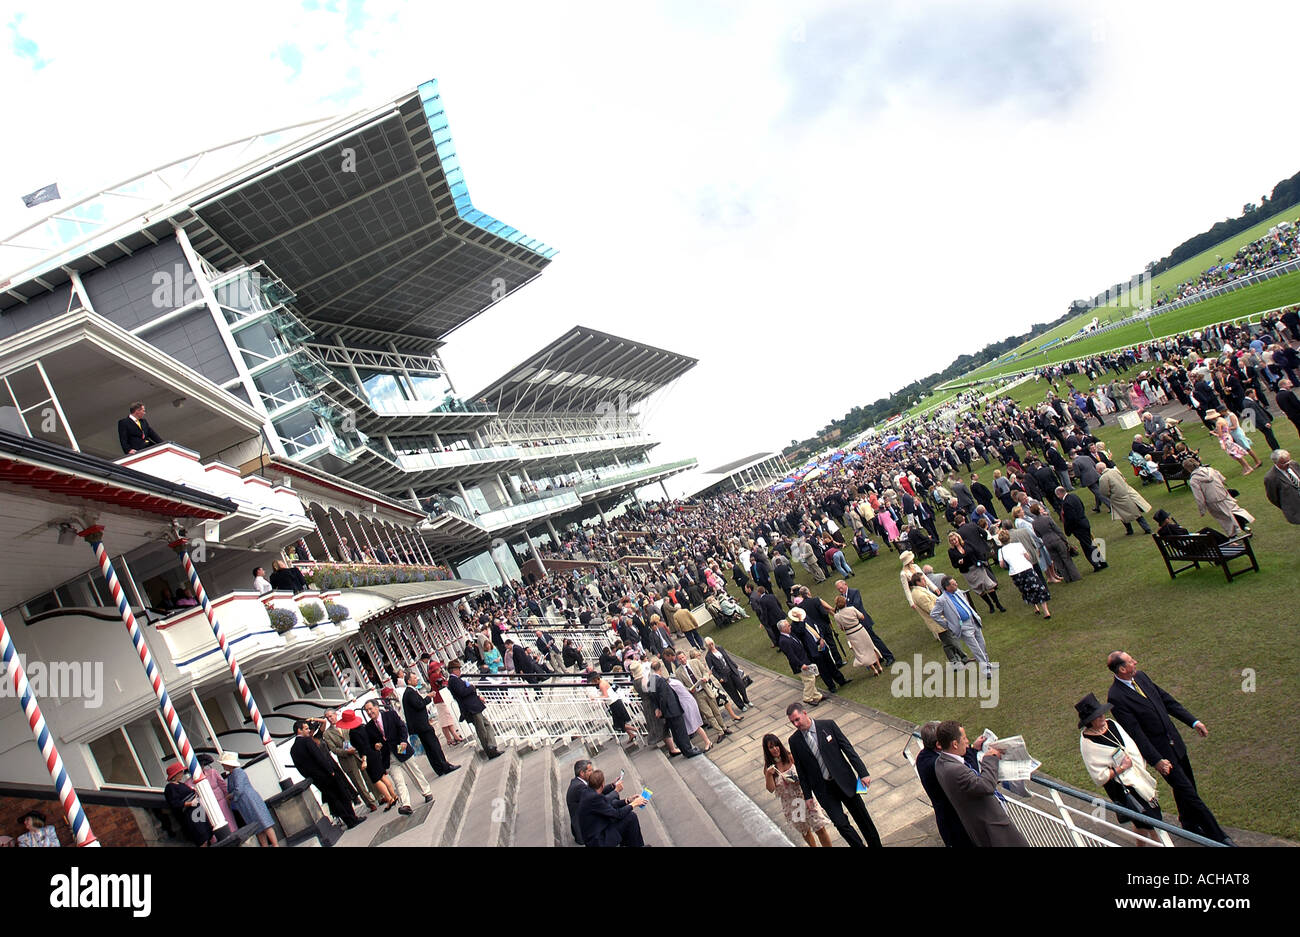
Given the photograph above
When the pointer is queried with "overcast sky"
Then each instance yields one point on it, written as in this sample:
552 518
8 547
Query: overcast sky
820 201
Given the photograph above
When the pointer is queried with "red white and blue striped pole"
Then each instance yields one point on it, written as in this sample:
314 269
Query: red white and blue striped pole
355 656
45 741
338 675
213 815
181 547
381 665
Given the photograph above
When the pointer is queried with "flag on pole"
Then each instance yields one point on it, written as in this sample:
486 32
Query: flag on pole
44 194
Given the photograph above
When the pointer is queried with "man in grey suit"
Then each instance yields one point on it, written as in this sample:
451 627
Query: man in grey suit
974 795
1282 486
1086 471
965 500
955 613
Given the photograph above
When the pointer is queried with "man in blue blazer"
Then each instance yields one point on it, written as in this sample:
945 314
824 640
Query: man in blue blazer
954 611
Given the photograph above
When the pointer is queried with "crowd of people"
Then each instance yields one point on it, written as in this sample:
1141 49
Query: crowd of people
1276 247
1007 481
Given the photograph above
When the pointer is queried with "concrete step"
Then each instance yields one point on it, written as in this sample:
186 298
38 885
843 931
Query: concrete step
432 824
488 817
534 814
685 820
742 821
615 759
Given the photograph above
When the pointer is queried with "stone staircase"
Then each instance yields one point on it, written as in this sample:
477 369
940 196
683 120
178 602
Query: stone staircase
517 800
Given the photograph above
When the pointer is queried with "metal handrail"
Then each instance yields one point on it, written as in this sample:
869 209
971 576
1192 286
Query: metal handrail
1030 819
525 714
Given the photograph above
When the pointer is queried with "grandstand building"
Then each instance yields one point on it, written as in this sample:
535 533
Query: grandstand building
754 471
279 304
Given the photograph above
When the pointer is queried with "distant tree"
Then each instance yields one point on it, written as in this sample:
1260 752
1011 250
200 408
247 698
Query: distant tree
1247 208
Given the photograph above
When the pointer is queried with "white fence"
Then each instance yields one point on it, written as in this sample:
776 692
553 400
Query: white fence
535 714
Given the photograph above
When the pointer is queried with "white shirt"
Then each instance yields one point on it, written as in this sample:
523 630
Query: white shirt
262 585
1016 558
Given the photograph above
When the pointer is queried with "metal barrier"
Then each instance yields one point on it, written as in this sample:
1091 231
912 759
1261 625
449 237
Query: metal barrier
535 714
1065 816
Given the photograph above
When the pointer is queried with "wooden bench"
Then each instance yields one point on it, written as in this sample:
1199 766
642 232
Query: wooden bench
1194 549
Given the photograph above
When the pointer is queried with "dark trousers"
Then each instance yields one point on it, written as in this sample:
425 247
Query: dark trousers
429 739
1270 438
834 801
693 638
677 726
628 832
1192 812
735 688
881 646
1100 498
830 673
1084 537
337 797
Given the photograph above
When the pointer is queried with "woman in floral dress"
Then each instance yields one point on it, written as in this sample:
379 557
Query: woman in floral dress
783 781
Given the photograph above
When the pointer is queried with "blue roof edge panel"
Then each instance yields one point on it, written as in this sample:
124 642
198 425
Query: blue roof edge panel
438 126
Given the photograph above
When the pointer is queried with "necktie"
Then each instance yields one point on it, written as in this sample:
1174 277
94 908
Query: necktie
1139 689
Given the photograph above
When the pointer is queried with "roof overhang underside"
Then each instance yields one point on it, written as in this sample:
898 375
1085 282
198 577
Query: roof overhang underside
43 486
368 221
582 367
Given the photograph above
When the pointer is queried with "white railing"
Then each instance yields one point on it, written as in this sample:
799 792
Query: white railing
535 714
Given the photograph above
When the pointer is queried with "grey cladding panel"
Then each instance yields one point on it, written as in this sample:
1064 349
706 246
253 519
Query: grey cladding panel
125 292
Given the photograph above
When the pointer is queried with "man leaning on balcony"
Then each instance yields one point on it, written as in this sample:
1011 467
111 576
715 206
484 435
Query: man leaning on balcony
134 431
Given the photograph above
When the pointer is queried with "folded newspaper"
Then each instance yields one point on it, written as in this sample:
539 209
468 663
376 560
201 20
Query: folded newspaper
1016 763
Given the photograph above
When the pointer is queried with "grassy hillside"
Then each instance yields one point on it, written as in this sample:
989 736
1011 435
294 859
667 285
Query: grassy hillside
1253 299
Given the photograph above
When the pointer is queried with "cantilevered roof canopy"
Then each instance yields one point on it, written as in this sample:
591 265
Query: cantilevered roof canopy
580 369
741 463
366 218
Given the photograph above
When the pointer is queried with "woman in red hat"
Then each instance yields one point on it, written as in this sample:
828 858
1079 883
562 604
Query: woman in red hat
371 763
185 804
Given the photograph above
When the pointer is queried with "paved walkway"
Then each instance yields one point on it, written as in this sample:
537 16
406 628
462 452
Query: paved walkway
897 803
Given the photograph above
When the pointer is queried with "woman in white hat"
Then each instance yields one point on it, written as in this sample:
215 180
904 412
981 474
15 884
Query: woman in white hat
252 808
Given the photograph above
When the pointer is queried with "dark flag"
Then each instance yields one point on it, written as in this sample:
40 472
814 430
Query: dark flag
44 194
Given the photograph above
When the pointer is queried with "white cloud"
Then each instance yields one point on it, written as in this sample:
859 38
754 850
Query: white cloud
814 252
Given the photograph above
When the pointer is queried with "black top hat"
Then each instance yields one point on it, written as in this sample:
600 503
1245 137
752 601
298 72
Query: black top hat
1089 708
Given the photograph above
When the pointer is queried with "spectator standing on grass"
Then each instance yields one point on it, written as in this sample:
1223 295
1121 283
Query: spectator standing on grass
1213 497
1143 709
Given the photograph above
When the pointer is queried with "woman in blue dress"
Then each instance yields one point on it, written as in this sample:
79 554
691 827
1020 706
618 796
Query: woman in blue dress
252 808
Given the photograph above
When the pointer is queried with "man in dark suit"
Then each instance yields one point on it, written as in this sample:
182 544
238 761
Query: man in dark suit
1074 520
768 610
980 492
606 821
1288 401
973 793
854 598
415 707
319 768
134 432
286 578
1144 710
471 709
669 708
387 740
951 831
830 770
578 787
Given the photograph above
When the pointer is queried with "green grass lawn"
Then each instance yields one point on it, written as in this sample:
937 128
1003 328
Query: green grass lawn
1199 637
1253 299
1193 267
